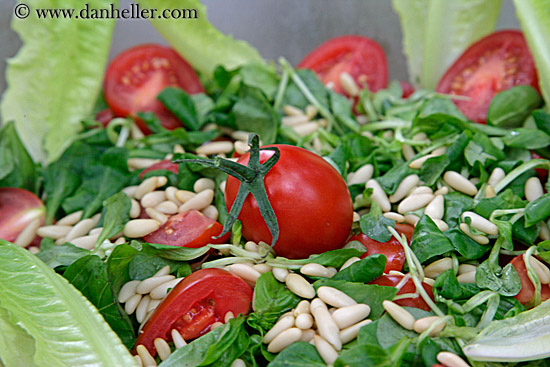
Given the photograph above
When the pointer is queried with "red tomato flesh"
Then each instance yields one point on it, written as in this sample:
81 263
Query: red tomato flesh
19 207
309 197
394 280
136 76
527 291
188 229
493 64
202 298
361 57
164 164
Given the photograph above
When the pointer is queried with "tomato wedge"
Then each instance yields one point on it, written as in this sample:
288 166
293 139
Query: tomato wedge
527 291
19 207
492 64
396 280
361 57
164 164
188 229
202 298
136 76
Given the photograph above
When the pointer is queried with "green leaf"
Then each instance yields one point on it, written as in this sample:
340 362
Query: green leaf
428 240
229 335
262 77
334 258
67 329
14 335
116 213
511 107
364 271
433 168
455 204
299 354
465 246
181 105
375 225
202 45
504 281
176 253
16 166
69 54
527 139
537 210
62 255
254 112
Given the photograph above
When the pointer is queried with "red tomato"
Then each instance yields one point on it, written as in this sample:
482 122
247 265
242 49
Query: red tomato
19 207
136 76
358 56
198 301
104 116
527 288
407 89
392 249
164 164
407 287
541 172
493 64
310 199
188 229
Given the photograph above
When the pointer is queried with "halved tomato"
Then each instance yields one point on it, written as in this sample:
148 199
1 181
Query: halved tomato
493 64
136 76
407 287
202 298
18 208
527 291
188 229
164 164
361 57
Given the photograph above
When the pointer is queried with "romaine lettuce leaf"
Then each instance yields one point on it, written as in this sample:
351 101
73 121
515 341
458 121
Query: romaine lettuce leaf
67 330
55 78
12 335
197 40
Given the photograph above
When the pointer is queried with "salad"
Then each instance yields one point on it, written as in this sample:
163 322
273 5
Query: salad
213 209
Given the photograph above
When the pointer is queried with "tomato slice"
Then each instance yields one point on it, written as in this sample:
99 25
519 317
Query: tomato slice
408 286
493 64
361 57
527 291
136 76
541 172
104 116
164 164
198 301
19 207
188 229
407 89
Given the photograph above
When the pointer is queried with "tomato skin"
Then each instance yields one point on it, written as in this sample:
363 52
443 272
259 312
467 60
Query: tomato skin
136 76
409 287
313 218
407 89
527 291
104 117
212 291
188 229
164 164
361 57
19 207
541 172
495 63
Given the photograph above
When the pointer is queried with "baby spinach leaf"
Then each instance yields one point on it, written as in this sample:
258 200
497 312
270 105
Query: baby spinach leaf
294 96
447 285
62 255
455 204
175 253
116 213
375 225
537 210
231 343
260 76
390 332
428 241
334 258
181 105
16 165
504 281
433 168
299 354
527 138
511 107
254 112
542 120
465 246
118 266
364 271
373 355
391 179
522 233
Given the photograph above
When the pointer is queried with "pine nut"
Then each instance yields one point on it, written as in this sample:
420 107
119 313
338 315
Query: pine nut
216 325
307 335
161 290
140 227
238 363
198 202
421 137
228 316
215 147
280 274
86 242
28 233
533 189
132 303
331 271
130 191
294 120
80 229
411 219
284 323
418 162
326 326
451 360
184 195
240 147
141 163
490 192
177 339
147 285
304 321
137 358
466 268
156 215
311 111
163 349
424 323
170 193
245 272
349 262
251 246
428 281
299 286
326 351
167 207
70 219
53 231
128 290
349 85
204 183
335 297
413 203
148 185
356 217
482 240
542 270
467 277
315 270
442 191
437 267
120 241
302 307
399 314
141 309
496 176
211 212
307 128
96 230
292 111
436 207
152 199
395 216
441 225
404 188
350 315
480 223
408 152
146 359
348 334
262 268
240 135
544 233
178 149
362 175
284 339
421 190
378 195
153 304
439 151
135 209
459 183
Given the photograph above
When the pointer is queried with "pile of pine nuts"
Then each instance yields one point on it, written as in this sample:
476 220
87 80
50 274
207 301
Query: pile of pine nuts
302 122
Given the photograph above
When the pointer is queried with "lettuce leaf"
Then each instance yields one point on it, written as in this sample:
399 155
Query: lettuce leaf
534 17
198 41
12 335
67 330
55 78
436 32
